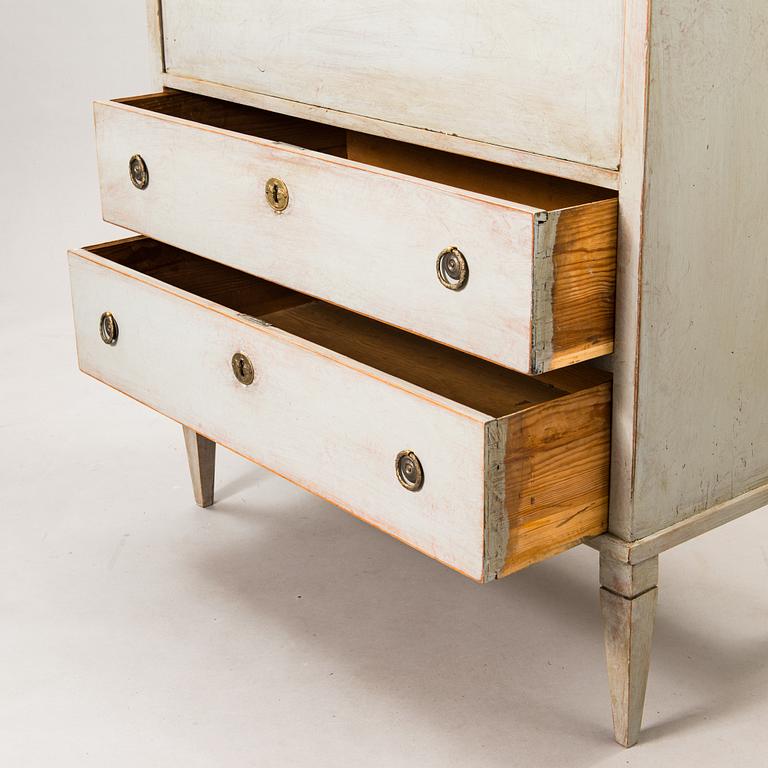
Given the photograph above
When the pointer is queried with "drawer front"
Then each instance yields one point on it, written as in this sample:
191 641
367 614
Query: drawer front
322 422
368 238
543 76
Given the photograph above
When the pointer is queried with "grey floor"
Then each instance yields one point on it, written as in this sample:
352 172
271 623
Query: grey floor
274 630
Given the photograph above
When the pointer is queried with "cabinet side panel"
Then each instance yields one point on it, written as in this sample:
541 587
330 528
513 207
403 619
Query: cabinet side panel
702 421
556 467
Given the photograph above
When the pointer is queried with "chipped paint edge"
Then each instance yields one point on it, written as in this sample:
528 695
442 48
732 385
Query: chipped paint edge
496 520
542 317
156 41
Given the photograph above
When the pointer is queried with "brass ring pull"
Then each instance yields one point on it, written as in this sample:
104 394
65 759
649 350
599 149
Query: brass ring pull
138 172
108 329
409 471
452 269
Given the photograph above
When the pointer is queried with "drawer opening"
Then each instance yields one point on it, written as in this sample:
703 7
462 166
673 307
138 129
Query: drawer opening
473 382
504 182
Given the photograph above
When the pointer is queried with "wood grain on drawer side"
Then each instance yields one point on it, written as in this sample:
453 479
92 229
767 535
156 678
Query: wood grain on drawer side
574 285
547 486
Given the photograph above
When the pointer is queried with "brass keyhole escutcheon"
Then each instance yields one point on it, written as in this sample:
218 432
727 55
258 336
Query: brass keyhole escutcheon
138 172
409 471
108 329
242 368
276 193
452 269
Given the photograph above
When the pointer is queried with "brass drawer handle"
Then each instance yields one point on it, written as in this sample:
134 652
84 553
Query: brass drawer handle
276 192
242 367
139 172
108 329
409 471
452 269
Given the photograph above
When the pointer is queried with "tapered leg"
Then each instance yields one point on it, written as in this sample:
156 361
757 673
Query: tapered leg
201 454
628 598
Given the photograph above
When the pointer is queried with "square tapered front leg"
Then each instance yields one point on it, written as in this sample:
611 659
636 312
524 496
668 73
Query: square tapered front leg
628 597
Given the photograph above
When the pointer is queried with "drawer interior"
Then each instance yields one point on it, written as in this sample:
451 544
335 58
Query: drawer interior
475 383
513 184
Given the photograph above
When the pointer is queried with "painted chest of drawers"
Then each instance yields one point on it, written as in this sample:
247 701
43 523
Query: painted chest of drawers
505 259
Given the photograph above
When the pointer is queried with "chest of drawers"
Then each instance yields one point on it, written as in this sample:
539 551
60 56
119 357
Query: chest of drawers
486 276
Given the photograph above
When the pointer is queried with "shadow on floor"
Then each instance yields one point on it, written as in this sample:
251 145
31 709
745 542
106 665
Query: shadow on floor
518 661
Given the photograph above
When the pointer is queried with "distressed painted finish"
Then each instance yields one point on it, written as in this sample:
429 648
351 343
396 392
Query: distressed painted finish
367 237
625 360
701 399
285 420
637 551
201 457
333 423
550 69
628 598
574 259
155 35
565 169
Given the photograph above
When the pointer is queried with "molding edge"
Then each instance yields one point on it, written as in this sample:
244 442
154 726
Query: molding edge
635 552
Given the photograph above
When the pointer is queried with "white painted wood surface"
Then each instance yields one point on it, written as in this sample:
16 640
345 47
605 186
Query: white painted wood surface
542 76
628 624
626 579
638 551
495 153
307 416
624 362
155 35
361 237
700 422
201 457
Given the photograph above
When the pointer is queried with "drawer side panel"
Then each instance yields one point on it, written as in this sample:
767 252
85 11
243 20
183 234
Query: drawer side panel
551 478
574 285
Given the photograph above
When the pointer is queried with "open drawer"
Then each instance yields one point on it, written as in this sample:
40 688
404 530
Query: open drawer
482 468
508 265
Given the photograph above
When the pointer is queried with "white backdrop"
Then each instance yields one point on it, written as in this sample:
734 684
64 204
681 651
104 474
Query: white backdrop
274 630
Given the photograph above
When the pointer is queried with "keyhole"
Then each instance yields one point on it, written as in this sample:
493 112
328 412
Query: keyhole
277 194
242 368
